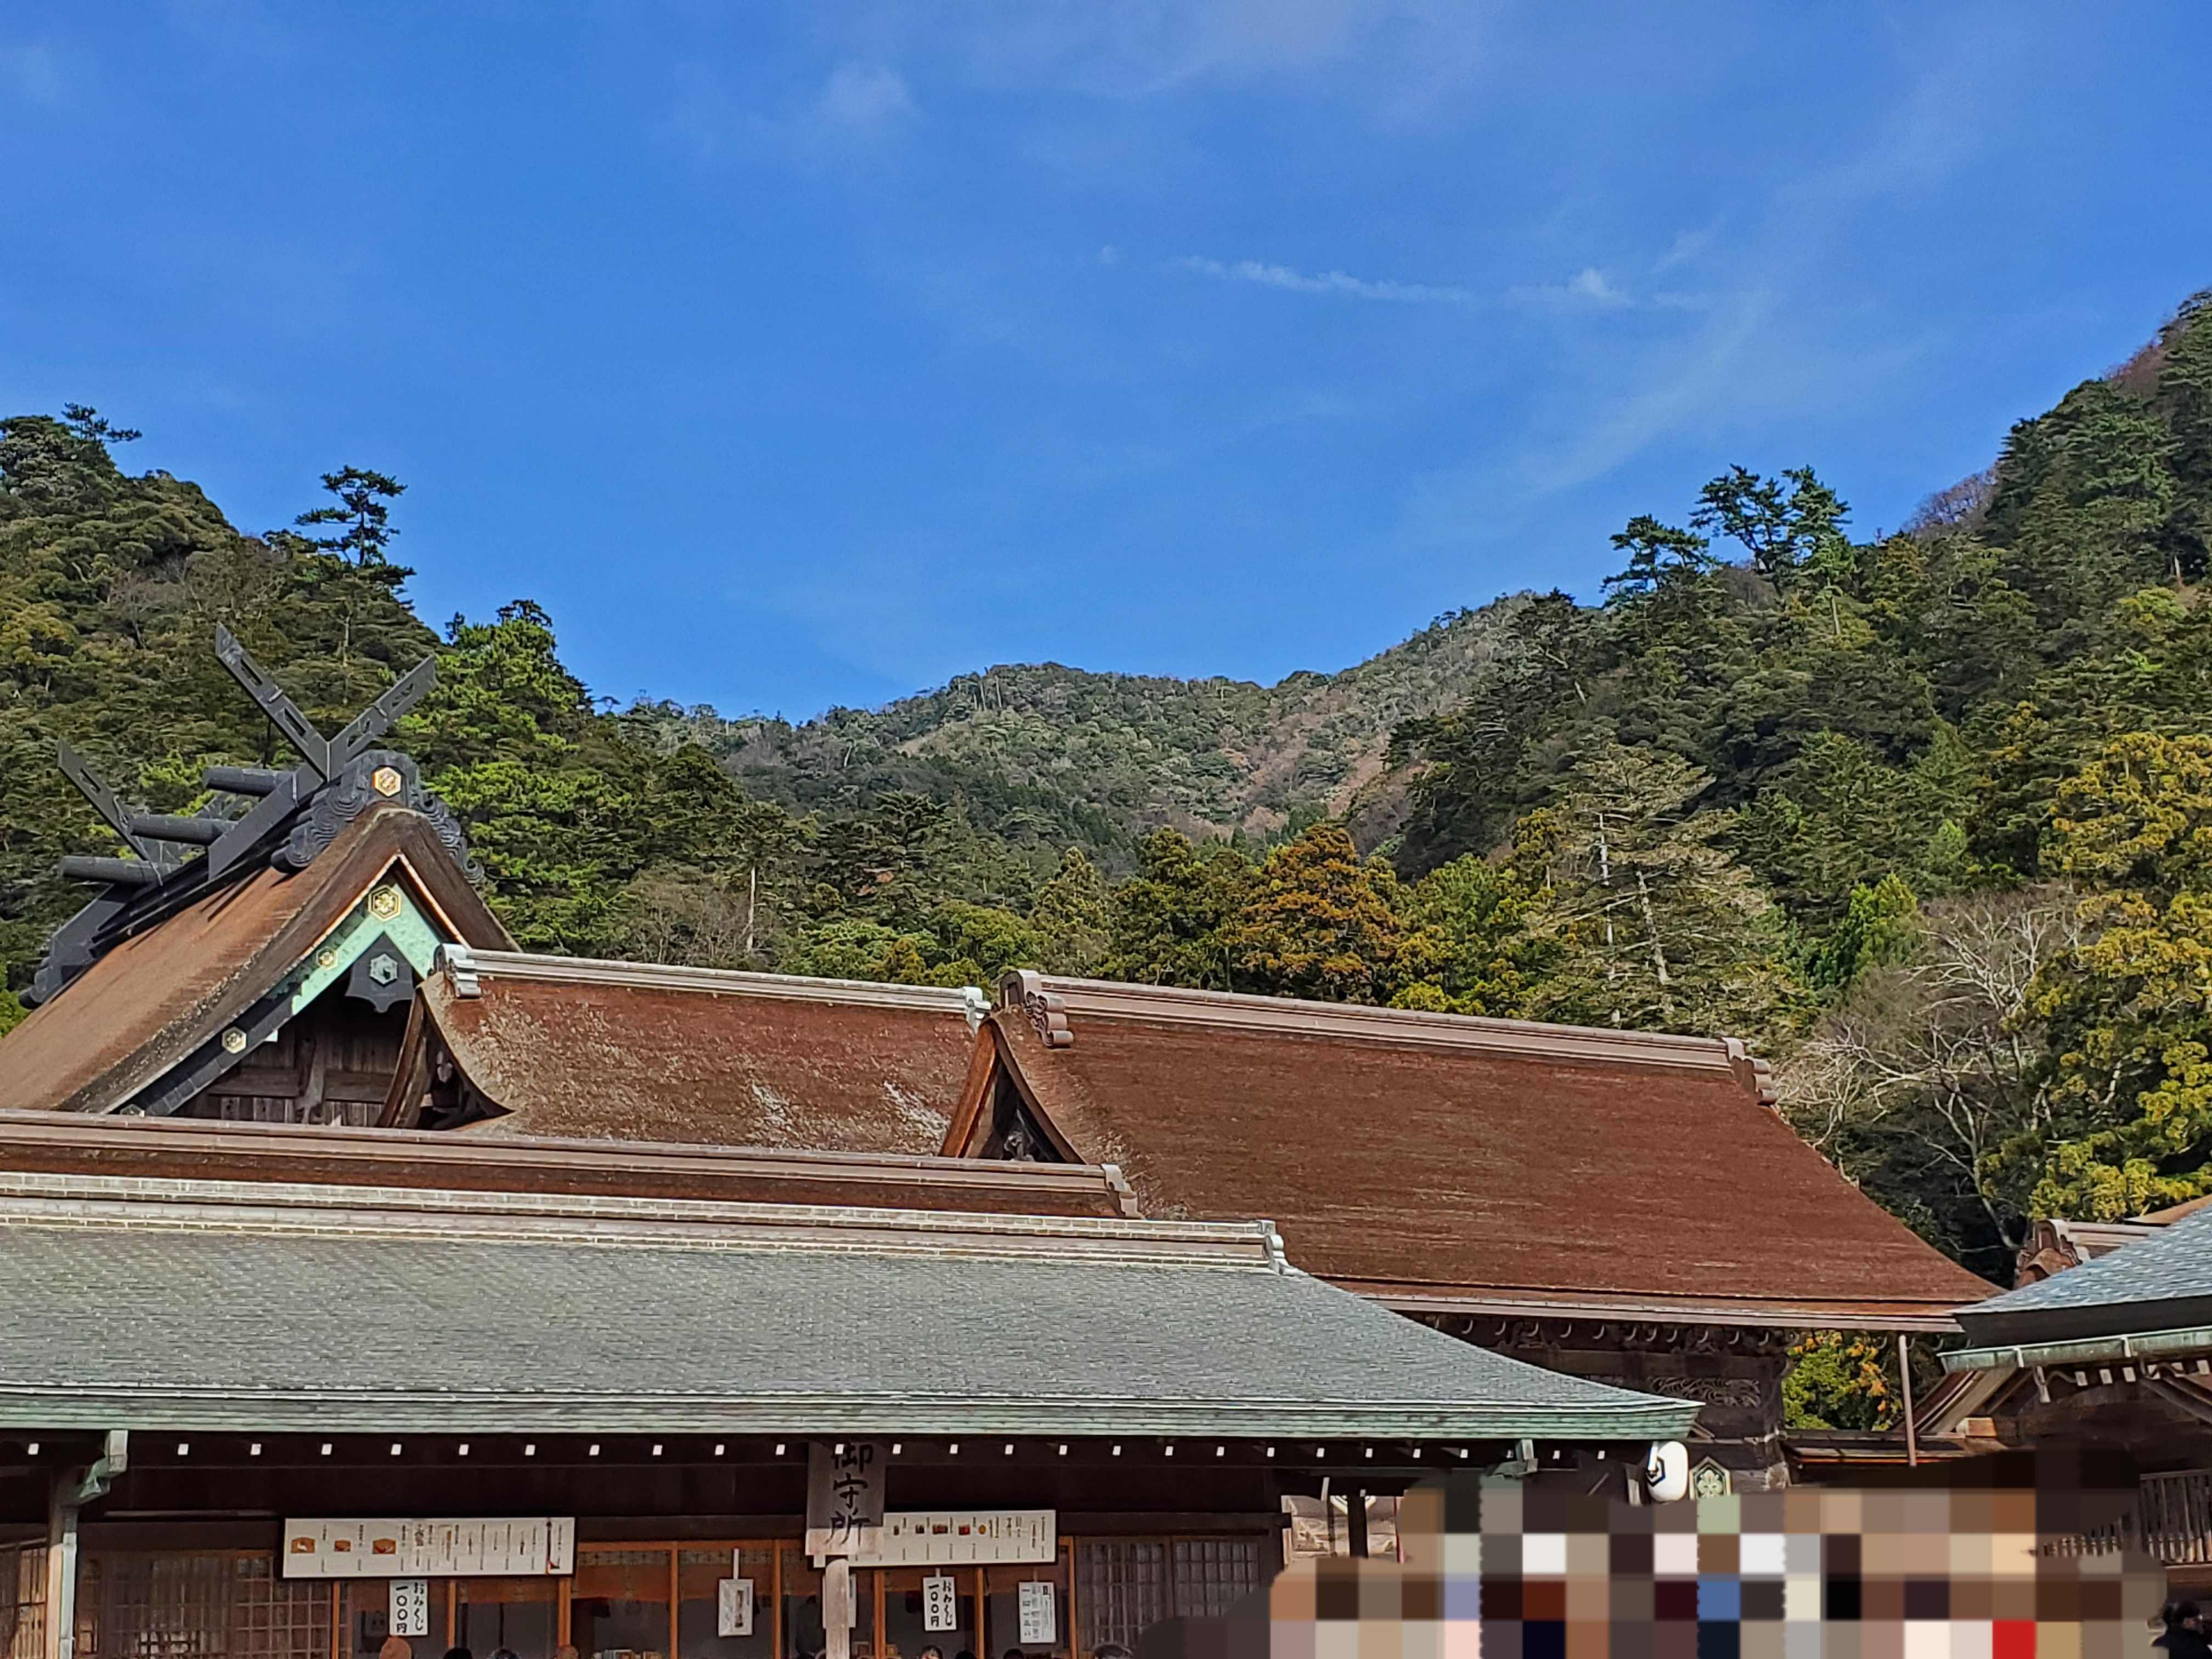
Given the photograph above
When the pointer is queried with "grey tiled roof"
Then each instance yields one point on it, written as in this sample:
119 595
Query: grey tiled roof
2155 1283
307 1308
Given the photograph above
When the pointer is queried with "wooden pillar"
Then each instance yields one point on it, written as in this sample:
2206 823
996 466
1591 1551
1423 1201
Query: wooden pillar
837 1608
61 1570
1355 1509
1905 1385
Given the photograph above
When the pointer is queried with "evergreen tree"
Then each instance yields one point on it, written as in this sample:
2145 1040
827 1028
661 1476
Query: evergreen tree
1073 918
1172 921
1470 941
2130 1007
1785 523
1320 922
1661 558
361 510
1657 926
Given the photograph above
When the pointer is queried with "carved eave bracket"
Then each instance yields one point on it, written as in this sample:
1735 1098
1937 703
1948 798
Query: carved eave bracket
375 775
1047 1012
1599 1332
1756 1075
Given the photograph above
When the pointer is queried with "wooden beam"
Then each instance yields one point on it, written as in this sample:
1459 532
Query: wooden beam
1355 1509
972 1110
1905 1385
314 1063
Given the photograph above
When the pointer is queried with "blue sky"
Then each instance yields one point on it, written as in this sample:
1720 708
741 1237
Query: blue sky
809 354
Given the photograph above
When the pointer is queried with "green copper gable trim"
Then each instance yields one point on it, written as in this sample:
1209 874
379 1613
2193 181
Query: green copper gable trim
388 910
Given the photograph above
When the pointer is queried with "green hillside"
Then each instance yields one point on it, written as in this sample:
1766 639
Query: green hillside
1104 758
1928 818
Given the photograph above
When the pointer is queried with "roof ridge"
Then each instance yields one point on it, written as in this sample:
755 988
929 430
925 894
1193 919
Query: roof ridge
1053 1004
42 1200
466 970
96 1131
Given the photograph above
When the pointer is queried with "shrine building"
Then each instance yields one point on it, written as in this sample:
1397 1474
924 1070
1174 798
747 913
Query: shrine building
284 1392
1622 1208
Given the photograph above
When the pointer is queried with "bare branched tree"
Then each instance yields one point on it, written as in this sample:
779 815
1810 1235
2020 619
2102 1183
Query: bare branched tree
1930 1071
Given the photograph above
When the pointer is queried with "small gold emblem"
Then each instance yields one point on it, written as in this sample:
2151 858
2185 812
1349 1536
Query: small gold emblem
386 779
234 1042
326 958
384 904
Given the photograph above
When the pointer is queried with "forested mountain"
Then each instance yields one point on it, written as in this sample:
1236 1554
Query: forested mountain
1928 818
1104 758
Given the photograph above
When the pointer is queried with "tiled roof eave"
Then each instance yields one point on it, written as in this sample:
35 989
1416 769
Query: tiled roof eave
1483 1302
2183 1341
818 1412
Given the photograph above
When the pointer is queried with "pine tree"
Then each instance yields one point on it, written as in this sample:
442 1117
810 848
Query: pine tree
1656 925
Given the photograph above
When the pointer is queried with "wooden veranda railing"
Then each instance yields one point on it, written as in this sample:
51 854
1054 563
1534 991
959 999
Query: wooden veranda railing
2171 1519
2177 1517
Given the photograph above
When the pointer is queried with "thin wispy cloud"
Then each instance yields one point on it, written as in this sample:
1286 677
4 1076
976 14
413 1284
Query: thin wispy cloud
1589 288
1688 244
851 109
1377 50
1327 281
863 96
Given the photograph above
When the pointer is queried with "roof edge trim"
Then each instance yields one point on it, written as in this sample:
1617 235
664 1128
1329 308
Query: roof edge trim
1055 1005
2123 1346
466 970
20 1128
1640 1418
41 1201
1779 1315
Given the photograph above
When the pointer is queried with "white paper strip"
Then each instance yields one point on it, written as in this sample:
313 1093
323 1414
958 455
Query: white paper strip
733 1607
533 1549
1038 1623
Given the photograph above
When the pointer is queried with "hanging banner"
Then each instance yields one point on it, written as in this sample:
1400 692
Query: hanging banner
929 1538
844 1495
733 1607
940 1604
1038 1623
533 1548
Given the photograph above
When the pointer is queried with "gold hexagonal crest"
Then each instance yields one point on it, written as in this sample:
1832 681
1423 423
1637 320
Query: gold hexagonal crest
385 781
234 1042
384 904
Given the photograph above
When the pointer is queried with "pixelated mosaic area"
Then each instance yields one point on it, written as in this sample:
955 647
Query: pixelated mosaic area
1511 1572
